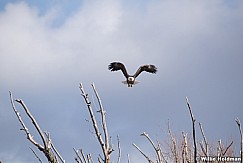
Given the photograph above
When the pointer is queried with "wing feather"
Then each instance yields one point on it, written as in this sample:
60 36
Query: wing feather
115 66
148 68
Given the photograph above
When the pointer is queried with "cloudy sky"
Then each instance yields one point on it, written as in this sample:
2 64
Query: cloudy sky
48 47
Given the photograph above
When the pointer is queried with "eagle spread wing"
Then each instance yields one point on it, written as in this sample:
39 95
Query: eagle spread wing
147 68
115 66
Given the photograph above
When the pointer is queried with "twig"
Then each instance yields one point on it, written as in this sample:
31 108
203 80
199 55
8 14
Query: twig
53 147
193 130
149 160
77 160
173 148
78 157
89 158
227 148
110 147
161 152
99 159
33 122
205 151
220 148
83 156
36 155
119 150
102 112
237 120
97 131
185 148
157 150
29 136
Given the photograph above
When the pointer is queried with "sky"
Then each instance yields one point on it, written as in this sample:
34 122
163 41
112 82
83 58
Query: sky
48 47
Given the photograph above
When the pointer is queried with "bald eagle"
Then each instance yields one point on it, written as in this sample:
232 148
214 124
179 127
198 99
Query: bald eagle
115 66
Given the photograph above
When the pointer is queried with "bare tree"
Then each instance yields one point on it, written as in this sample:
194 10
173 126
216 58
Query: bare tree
193 130
173 146
47 148
181 149
237 120
184 148
205 146
104 142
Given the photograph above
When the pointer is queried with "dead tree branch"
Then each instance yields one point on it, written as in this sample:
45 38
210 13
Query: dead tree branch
102 112
97 131
128 158
34 122
227 148
149 160
89 158
157 149
185 148
79 158
174 146
193 130
221 151
119 149
105 145
50 144
25 129
237 120
220 148
46 147
161 152
82 154
205 150
36 155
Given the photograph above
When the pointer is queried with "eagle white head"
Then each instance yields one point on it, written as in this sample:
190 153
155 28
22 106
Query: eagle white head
131 79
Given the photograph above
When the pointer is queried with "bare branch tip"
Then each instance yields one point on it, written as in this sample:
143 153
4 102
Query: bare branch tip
19 100
237 120
143 134
187 98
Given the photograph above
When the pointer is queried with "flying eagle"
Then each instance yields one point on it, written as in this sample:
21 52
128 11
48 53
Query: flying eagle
115 66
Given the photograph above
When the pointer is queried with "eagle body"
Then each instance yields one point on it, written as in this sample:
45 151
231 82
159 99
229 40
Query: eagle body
131 79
